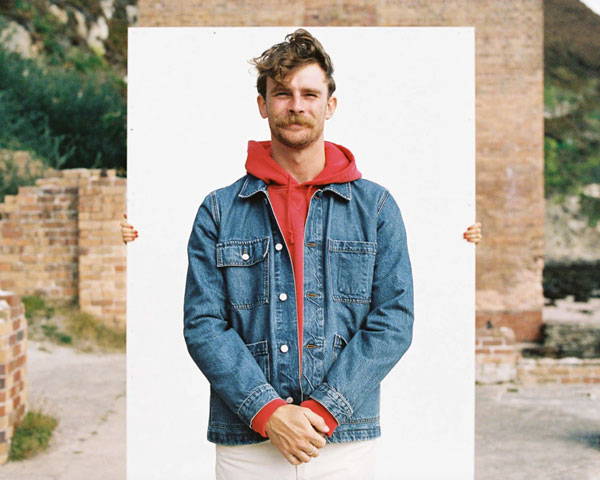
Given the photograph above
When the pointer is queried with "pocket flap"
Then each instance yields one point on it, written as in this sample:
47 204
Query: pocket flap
242 253
352 246
258 348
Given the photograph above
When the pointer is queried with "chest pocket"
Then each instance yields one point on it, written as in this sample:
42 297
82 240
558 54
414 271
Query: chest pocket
351 263
246 271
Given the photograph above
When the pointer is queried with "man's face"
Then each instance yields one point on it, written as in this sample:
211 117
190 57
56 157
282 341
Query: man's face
298 108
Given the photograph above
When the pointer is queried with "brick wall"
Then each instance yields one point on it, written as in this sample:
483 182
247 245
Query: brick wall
61 239
13 357
496 355
563 370
499 359
102 255
509 126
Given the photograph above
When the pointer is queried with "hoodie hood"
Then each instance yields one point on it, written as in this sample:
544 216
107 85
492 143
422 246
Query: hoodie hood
340 166
290 199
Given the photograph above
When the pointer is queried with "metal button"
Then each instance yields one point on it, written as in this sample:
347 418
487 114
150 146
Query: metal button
245 256
284 348
289 399
278 246
282 297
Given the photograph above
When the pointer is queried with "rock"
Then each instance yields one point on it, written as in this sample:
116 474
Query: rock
97 34
132 14
82 29
60 14
108 8
16 38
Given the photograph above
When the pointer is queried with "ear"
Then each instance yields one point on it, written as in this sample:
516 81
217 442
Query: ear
262 106
331 106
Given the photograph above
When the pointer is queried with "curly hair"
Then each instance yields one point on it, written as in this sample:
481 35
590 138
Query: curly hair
299 48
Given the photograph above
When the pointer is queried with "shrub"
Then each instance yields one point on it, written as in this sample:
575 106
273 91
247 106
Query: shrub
71 118
32 435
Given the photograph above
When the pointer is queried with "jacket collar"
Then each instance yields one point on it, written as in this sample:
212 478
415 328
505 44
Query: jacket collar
252 185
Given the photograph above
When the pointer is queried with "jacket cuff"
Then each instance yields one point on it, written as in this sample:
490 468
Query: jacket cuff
333 401
259 422
323 412
255 400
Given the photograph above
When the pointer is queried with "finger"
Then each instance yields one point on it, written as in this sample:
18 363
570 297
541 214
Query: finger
310 450
303 457
318 442
316 420
292 459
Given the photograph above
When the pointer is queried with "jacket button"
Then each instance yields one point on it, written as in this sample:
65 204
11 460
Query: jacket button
282 297
245 256
284 348
289 399
278 246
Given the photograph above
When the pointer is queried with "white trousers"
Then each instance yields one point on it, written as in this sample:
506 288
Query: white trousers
263 461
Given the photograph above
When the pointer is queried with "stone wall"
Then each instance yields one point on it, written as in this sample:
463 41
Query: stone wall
509 127
564 370
13 357
102 255
61 239
499 360
496 355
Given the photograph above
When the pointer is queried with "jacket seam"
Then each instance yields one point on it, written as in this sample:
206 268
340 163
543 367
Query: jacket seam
215 207
384 197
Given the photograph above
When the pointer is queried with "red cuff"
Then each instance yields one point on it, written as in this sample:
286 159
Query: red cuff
323 412
262 417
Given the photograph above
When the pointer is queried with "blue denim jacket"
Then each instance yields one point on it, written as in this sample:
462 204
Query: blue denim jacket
358 308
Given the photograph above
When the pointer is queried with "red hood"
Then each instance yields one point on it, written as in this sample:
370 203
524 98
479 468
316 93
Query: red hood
289 197
340 165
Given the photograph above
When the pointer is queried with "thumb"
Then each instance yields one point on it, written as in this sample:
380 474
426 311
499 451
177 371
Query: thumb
316 420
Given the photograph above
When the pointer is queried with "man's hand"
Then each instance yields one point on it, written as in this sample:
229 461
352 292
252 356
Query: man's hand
295 431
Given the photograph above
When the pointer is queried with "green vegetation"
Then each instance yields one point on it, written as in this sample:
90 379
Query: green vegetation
12 176
89 332
572 102
579 279
64 324
32 435
69 118
68 106
36 307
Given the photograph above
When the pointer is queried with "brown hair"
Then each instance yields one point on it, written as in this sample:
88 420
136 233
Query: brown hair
299 48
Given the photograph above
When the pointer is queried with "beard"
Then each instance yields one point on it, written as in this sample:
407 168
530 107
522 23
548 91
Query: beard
296 139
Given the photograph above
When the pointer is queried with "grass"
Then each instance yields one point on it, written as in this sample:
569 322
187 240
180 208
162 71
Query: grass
32 435
65 324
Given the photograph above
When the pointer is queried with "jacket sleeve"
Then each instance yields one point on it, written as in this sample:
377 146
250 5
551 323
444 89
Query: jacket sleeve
386 333
215 347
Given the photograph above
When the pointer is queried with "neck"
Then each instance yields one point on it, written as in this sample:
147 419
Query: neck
303 165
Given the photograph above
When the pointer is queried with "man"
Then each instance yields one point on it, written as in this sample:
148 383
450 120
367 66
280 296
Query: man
299 294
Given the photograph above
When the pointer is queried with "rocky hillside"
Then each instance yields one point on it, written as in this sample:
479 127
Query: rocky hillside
68 31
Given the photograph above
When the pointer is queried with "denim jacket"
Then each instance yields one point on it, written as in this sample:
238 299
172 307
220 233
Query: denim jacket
240 307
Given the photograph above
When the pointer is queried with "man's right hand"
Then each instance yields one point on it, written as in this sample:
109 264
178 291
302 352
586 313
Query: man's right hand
294 430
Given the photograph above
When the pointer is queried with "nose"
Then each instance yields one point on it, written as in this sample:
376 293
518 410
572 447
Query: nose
296 104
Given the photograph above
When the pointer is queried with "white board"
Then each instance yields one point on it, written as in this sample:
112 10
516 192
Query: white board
406 109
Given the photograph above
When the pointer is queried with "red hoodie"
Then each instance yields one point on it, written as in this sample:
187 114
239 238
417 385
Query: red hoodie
290 201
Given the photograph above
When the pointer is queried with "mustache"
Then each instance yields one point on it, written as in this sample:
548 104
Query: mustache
294 119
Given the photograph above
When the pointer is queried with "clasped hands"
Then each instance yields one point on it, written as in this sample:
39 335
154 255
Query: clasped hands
296 432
